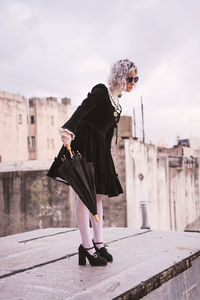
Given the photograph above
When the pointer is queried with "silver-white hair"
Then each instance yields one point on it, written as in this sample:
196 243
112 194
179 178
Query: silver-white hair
119 72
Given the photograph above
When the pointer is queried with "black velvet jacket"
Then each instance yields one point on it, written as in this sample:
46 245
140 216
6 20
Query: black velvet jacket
97 111
93 124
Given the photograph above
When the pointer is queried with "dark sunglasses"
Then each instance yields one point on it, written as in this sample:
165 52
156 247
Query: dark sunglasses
131 79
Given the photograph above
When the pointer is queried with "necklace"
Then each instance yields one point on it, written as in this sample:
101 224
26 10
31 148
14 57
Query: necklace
117 106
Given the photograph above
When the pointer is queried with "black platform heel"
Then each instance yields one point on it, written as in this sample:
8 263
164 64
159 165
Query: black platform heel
94 260
103 252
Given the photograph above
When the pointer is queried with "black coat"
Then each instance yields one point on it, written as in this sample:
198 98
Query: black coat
93 124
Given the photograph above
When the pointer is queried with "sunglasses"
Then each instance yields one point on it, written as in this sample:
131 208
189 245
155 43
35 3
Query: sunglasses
131 79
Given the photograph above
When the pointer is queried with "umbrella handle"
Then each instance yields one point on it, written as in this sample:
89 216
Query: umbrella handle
96 218
69 149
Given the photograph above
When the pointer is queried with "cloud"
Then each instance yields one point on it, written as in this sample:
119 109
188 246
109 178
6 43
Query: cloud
63 48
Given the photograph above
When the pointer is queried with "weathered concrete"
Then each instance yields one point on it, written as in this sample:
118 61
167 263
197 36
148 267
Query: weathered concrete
170 191
43 264
171 194
185 286
30 200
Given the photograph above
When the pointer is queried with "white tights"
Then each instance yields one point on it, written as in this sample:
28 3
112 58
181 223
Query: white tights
83 215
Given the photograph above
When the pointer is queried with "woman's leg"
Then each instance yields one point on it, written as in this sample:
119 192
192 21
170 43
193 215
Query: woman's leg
82 220
97 226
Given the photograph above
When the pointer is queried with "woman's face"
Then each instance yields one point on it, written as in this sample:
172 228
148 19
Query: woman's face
130 85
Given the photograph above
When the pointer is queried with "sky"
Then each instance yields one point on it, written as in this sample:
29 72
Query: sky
63 48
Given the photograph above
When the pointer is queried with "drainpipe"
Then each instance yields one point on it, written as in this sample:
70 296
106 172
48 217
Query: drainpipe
143 205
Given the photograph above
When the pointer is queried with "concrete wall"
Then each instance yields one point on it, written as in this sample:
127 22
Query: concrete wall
115 207
30 200
171 194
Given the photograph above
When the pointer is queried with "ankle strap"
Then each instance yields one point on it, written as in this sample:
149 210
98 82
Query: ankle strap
98 243
89 248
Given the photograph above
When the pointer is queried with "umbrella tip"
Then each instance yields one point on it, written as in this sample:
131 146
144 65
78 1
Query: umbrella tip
96 218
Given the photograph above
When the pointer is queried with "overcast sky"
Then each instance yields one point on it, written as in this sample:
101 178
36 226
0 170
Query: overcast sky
63 47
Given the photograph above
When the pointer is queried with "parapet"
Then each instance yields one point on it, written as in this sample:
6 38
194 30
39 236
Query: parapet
11 96
54 99
66 101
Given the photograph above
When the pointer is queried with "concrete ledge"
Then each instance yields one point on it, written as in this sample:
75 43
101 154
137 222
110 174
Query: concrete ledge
25 165
145 287
43 264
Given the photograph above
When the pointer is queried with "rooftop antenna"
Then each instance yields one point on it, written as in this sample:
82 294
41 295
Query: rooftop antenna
142 110
134 122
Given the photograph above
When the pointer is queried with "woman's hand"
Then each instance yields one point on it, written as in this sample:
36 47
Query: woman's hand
66 138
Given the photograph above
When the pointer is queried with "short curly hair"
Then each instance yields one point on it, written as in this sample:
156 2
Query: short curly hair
119 72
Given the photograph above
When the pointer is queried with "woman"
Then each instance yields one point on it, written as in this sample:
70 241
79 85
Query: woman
90 130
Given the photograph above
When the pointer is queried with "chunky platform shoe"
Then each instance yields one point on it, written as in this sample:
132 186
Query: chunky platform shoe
94 260
103 252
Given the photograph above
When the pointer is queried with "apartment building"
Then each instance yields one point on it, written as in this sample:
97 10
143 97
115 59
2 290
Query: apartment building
46 116
13 127
29 128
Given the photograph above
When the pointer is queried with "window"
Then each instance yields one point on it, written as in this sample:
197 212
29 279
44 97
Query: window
32 119
28 141
31 102
33 141
52 143
52 120
20 119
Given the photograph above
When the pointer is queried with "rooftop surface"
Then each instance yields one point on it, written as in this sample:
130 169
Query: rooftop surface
43 264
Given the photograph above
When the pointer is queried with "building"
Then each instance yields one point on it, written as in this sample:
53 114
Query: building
46 116
13 127
29 128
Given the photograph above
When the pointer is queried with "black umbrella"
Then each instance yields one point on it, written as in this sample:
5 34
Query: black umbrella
79 173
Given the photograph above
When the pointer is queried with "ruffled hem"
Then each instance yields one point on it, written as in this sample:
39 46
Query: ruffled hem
94 147
108 184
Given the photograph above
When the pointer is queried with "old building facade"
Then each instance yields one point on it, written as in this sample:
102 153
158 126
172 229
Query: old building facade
13 127
29 128
46 116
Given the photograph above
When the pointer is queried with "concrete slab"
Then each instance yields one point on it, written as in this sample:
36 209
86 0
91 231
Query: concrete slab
43 264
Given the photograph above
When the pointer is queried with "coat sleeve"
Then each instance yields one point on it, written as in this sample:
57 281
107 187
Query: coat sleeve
94 99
